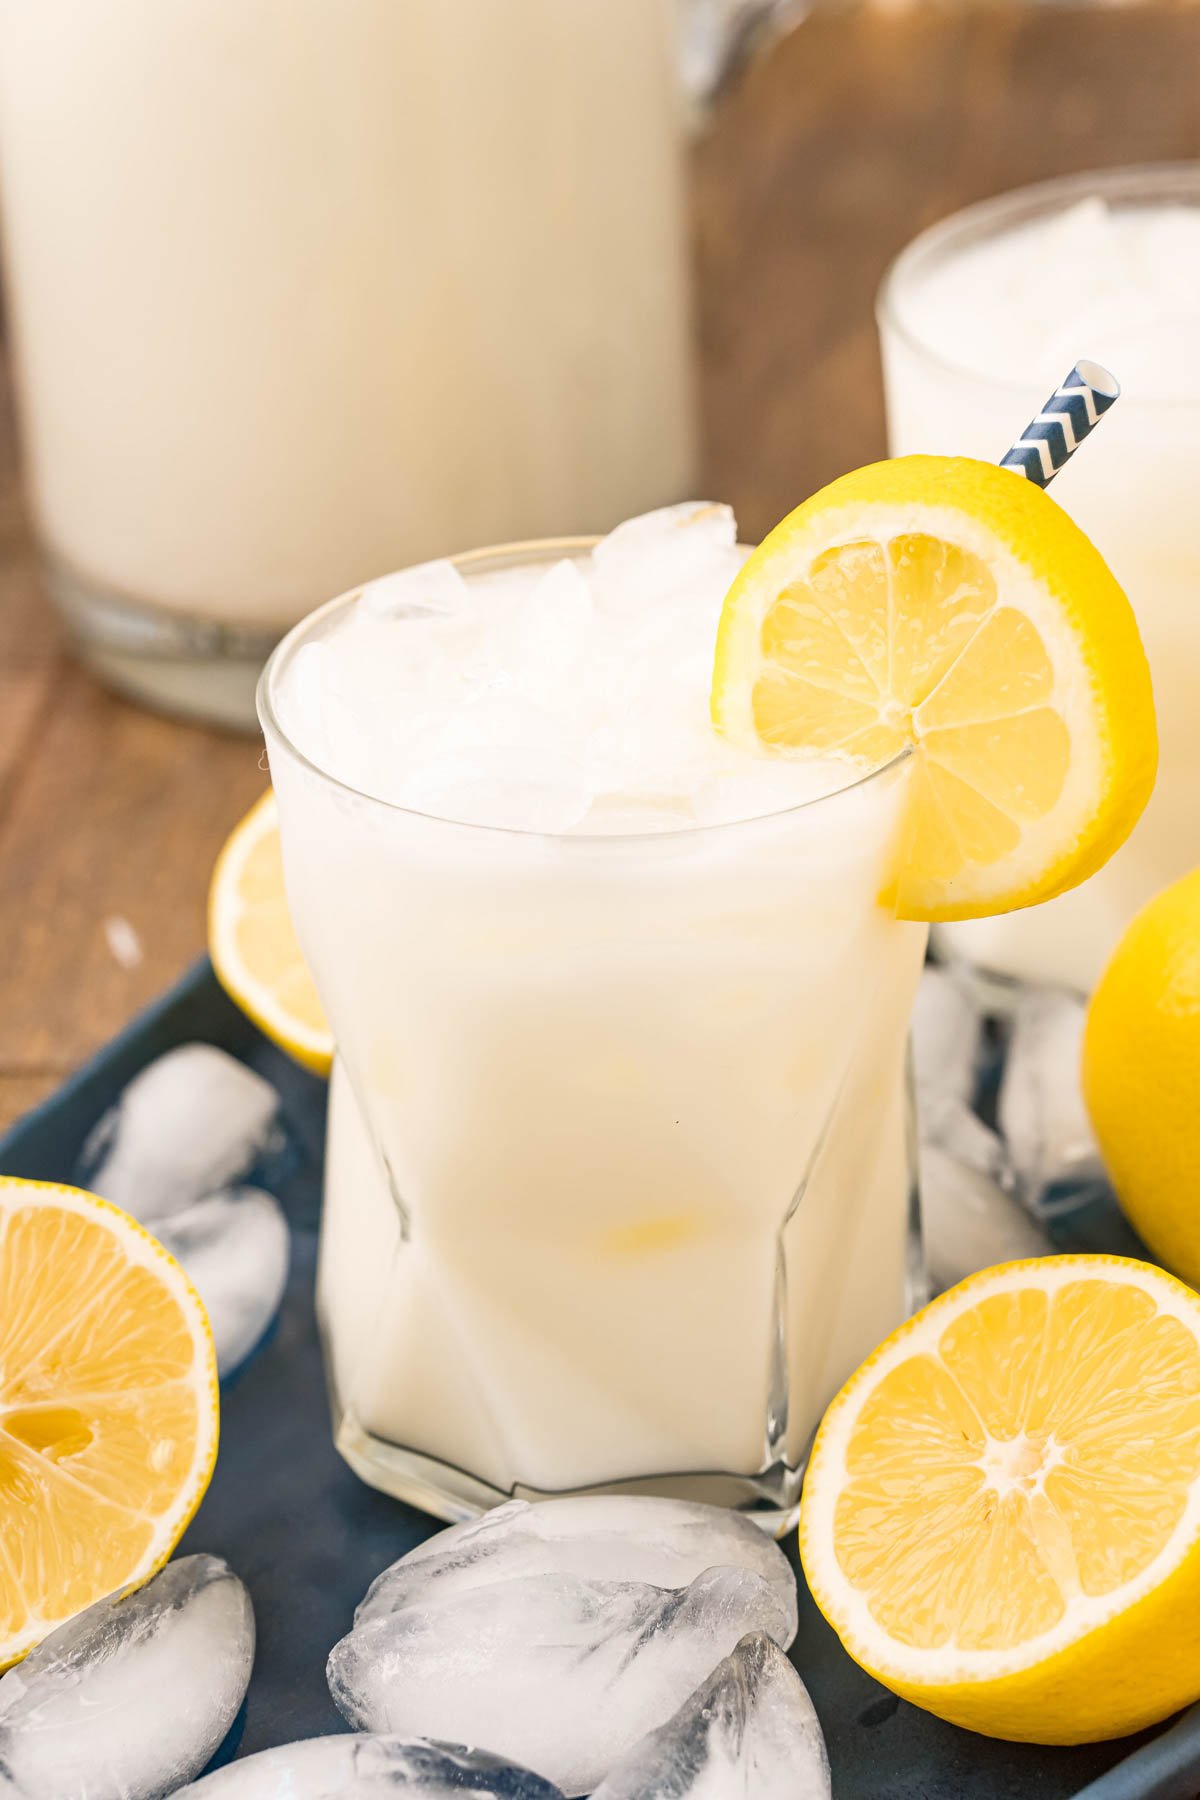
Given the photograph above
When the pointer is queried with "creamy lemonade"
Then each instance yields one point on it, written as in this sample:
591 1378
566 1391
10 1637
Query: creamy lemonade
619 1180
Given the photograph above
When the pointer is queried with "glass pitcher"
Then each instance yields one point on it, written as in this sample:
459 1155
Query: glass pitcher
303 290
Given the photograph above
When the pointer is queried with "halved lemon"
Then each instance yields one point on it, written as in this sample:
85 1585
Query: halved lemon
1001 1516
253 944
108 1406
950 608
1141 1073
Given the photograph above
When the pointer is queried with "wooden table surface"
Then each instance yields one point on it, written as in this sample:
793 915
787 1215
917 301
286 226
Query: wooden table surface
863 125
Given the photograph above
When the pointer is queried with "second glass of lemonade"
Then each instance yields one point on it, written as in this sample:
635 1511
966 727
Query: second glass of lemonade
620 1178
979 318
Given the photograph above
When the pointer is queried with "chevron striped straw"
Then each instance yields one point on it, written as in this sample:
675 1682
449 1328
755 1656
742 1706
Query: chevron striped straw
1071 413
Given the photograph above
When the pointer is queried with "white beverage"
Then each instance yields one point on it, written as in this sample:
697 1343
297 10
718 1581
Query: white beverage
619 1179
304 289
980 320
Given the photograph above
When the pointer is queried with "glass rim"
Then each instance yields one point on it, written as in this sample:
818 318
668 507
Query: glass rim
1132 183
512 555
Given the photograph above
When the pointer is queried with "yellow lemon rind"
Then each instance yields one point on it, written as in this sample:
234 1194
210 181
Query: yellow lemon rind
1134 1665
1079 606
312 1050
173 1526
1141 1073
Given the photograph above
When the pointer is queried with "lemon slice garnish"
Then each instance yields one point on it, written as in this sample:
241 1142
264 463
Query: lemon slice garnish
952 610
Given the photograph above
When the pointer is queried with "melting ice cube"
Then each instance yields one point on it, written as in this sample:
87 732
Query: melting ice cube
548 633
1041 1108
666 1543
661 548
234 1246
678 551
428 588
369 1768
561 1673
187 1124
132 1697
749 1730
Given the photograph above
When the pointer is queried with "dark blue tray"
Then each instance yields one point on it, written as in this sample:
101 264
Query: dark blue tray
307 1536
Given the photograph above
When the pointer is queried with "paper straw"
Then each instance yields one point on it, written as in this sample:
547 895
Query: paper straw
1072 413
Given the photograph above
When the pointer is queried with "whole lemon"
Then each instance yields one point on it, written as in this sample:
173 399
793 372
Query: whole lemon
1141 1074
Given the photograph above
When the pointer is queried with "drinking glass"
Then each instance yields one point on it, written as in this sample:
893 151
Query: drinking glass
620 1181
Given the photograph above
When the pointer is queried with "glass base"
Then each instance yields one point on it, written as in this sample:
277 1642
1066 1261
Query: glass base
770 1499
192 668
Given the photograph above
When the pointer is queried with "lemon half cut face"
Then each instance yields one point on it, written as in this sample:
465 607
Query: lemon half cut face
108 1406
1001 1516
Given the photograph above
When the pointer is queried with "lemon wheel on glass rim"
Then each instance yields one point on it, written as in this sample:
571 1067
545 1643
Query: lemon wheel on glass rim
950 609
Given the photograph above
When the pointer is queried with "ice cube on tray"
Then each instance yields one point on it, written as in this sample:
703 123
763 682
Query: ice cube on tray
363 1767
1041 1109
234 1246
947 1036
187 1125
606 1537
969 1222
131 1697
750 1729
525 1650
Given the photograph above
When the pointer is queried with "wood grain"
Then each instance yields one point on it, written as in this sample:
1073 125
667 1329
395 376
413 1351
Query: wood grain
118 815
824 158
106 813
865 125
